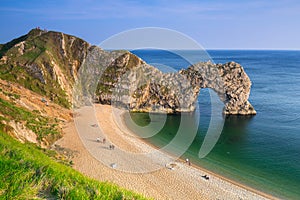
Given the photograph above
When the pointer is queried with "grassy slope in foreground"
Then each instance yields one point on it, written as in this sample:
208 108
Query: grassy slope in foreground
26 173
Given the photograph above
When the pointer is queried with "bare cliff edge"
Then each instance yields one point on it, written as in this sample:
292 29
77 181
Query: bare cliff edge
61 66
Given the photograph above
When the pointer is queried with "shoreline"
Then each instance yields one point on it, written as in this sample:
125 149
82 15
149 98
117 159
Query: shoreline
184 182
197 167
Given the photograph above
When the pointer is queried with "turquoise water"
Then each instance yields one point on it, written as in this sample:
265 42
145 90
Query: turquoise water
261 151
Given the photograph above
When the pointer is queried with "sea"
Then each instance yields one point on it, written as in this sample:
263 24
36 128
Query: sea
260 151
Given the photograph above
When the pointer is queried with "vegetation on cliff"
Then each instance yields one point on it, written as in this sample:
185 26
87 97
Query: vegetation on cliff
45 128
44 62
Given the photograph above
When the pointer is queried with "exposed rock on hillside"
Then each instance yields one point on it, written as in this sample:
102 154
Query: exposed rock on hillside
50 63
44 62
30 117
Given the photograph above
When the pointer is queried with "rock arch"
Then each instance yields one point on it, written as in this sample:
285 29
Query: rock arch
229 81
129 82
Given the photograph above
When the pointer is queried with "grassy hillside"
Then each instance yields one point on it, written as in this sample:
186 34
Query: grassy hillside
44 62
43 127
29 172
26 172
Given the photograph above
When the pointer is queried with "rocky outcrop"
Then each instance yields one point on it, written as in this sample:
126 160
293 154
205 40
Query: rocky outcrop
229 81
129 82
22 133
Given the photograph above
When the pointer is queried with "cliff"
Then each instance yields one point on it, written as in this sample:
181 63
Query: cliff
45 62
50 63
129 82
37 74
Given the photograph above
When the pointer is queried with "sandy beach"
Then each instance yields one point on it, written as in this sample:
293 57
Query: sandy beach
94 159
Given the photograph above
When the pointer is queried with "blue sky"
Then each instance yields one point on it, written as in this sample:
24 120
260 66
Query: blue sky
215 24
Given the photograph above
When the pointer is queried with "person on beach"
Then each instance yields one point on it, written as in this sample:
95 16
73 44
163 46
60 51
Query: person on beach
188 161
103 140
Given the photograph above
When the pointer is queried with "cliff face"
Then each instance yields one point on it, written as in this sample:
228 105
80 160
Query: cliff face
44 62
50 63
130 82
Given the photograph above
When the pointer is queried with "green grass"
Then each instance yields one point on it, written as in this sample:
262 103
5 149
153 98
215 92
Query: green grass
12 95
19 75
43 127
27 173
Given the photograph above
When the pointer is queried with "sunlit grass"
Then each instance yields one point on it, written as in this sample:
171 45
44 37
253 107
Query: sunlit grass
27 173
